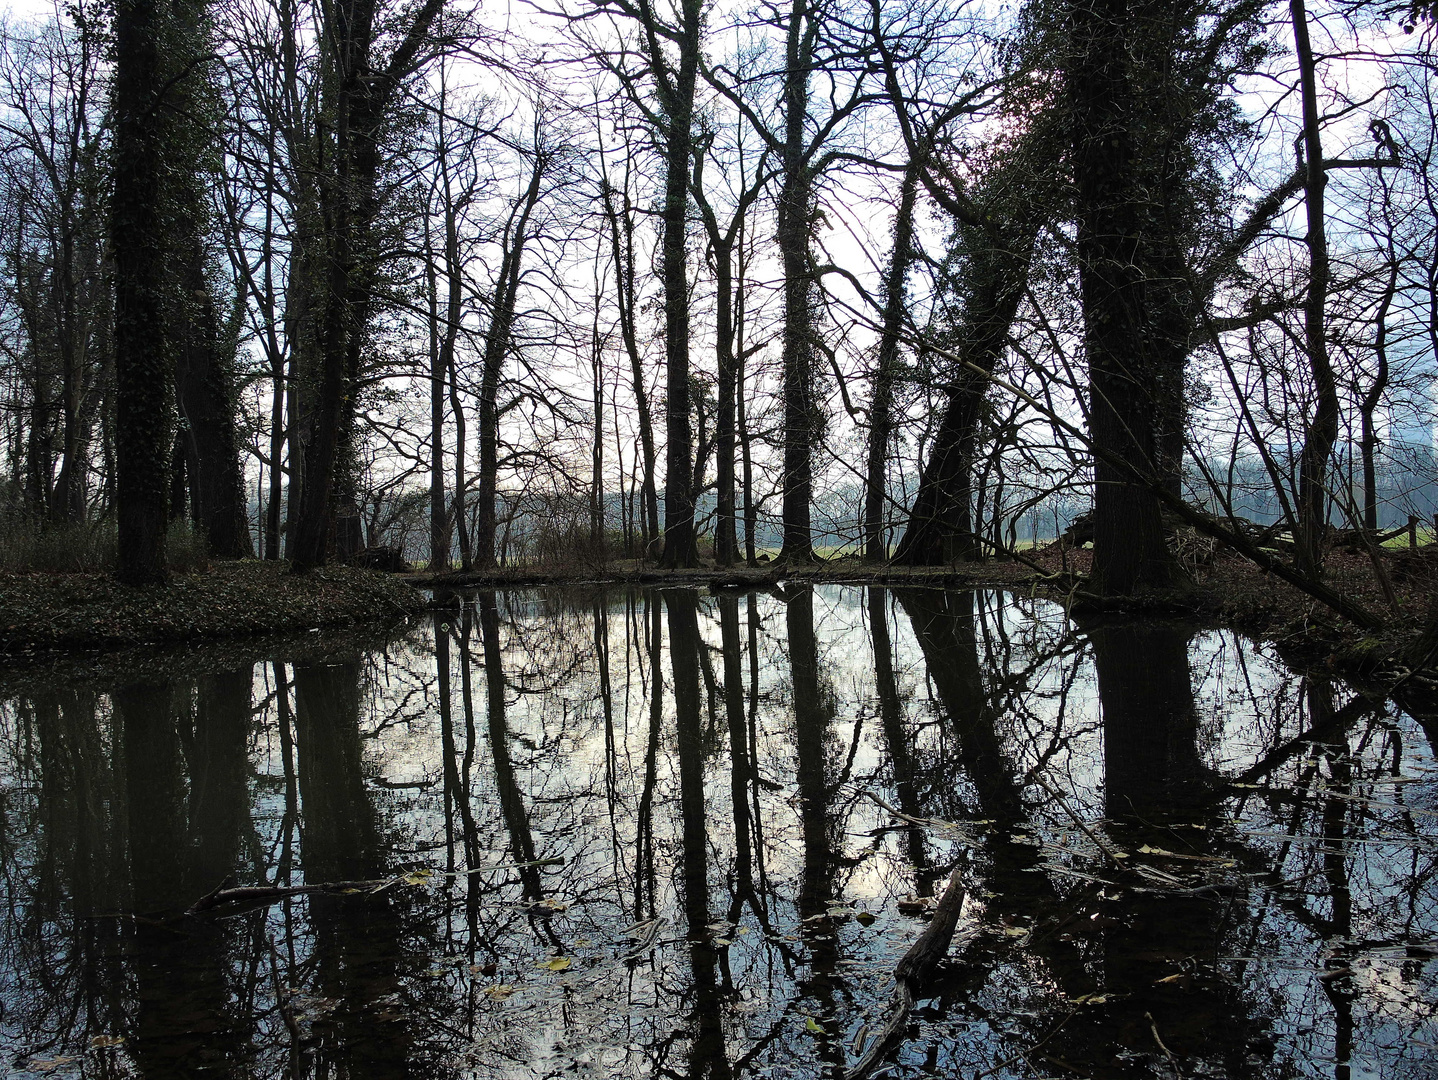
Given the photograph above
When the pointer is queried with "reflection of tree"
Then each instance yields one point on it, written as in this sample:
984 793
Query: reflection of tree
741 770
61 956
706 1052
583 749
358 956
944 627
897 740
1150 726
812 714
458 780
511 802
183 1025
456 790
1156 793
219 776
654 692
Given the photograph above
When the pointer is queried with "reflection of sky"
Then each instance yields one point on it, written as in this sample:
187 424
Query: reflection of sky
580 771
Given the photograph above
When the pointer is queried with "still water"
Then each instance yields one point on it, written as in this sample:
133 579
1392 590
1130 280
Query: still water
665 833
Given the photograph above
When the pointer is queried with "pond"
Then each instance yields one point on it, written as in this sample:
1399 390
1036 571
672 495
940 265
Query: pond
614 833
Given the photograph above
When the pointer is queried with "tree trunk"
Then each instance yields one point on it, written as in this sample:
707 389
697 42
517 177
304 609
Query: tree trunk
622 245
677 92
726 541
940 526
362 91
881 423
1369 404
143 368
1321 432
205 393
1131 554
439 536
801 421
596 451
496 348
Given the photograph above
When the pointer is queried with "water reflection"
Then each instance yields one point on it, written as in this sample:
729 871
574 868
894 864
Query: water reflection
665 833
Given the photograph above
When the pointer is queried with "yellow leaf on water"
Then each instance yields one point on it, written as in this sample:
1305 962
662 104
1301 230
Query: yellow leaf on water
499 992
810 1024
559 963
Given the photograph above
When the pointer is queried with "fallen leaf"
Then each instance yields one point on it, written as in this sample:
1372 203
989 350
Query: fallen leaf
499 992
50 1064
559 963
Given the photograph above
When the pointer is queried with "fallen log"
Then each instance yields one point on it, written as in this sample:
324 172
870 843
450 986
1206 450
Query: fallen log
912 972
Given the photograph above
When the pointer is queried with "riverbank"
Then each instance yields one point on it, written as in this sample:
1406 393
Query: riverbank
48 618
1230 592
44 614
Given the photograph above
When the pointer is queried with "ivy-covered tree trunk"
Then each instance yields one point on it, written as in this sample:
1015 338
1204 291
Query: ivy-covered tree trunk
347 205
205 393
1126 381
144 388
940 526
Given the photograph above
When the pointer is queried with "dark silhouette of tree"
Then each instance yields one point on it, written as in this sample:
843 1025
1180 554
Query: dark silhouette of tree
144 365
360 92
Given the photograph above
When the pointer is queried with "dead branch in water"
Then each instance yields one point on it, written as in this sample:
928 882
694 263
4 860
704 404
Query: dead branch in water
912 972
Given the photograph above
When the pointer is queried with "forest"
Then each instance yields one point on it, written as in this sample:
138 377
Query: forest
921 282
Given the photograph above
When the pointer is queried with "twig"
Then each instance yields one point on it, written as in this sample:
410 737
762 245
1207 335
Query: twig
1173 1061
928 823
1001 1066
268 894
285 1014
1113 854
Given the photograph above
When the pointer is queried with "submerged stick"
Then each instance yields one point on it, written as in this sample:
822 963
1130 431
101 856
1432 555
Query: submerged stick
268 894
1113 855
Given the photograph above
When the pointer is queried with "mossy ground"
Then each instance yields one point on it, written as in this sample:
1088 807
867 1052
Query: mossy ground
47 613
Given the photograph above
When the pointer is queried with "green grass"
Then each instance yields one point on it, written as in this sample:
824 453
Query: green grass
1425 537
